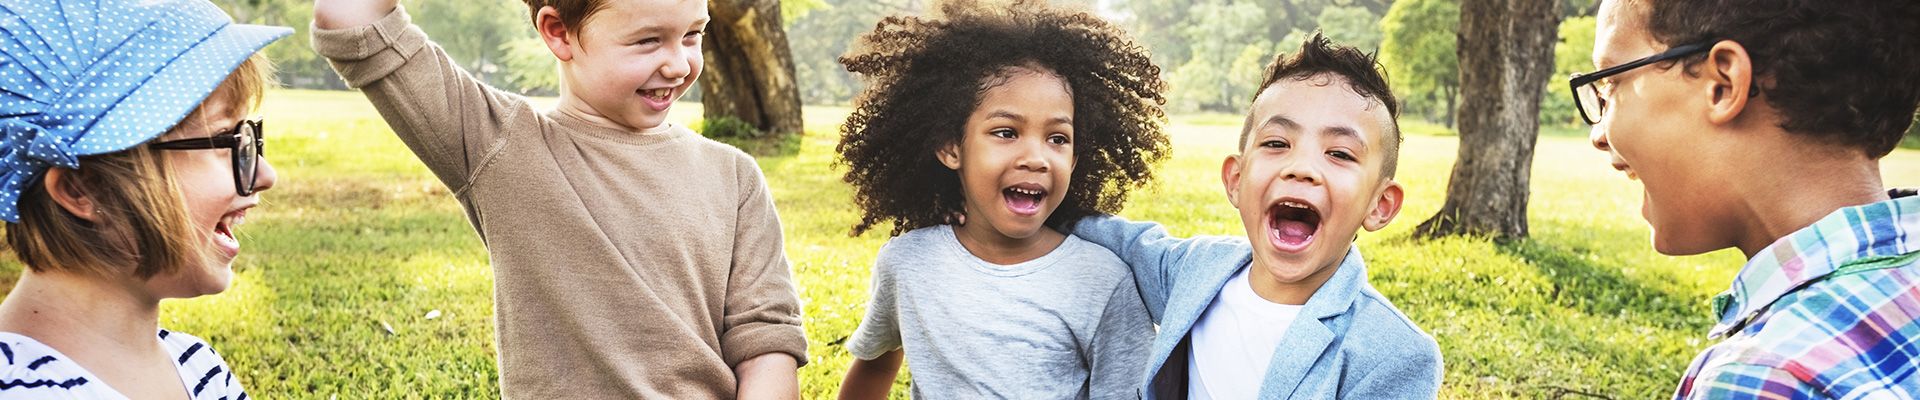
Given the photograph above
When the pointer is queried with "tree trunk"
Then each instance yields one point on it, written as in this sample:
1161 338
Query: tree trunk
1506 53
749 72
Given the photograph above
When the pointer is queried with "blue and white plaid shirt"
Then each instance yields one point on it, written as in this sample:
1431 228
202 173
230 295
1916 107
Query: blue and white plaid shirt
1830 311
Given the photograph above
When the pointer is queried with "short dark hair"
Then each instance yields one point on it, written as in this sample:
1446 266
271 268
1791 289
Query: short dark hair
925 76
1843 71
1362 73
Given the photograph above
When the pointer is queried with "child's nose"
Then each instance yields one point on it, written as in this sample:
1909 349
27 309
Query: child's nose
1599 138
681 64
264 177
1299 171
1032 159
1033 162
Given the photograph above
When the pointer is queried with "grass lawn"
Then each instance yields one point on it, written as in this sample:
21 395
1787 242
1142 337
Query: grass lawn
360 278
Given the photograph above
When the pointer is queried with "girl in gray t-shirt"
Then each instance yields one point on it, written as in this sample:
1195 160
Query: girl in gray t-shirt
1018 122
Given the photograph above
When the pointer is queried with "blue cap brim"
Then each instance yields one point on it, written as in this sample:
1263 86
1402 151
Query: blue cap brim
177 89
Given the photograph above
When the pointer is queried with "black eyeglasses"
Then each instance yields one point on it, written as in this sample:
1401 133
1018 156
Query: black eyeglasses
243 141
1586 90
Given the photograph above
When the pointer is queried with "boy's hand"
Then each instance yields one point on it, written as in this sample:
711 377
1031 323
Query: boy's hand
338 14
768 376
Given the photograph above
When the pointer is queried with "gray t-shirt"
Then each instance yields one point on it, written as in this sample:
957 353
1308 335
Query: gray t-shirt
1067 325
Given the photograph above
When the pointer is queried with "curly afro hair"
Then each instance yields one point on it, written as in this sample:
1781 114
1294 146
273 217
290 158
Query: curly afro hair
925 75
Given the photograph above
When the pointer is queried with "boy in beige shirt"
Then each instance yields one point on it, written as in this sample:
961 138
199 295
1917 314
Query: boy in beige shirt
632 258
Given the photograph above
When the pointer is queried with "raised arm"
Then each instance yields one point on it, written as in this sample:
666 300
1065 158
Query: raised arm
341 14
449 118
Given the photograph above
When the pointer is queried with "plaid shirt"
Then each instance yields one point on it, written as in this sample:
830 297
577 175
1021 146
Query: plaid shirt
1830 311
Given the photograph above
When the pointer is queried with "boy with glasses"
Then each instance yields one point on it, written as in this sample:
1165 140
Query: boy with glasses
1758 124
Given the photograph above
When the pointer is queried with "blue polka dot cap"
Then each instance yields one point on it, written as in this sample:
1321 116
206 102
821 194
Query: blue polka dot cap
86 77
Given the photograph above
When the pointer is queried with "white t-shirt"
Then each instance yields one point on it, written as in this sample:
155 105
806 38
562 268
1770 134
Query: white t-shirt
1234 341
32 370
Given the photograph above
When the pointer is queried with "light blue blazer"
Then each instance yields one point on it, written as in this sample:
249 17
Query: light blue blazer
1348 342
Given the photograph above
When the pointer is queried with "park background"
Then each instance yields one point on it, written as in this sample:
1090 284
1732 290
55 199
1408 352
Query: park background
360 278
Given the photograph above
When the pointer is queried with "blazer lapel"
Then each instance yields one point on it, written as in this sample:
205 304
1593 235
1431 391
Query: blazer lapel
1307 341
1189 301
1303 346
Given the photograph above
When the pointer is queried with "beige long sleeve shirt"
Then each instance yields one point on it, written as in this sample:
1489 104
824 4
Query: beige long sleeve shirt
626 264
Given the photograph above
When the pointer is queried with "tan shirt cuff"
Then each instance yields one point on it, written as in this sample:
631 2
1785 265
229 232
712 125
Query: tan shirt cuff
752 340
367 53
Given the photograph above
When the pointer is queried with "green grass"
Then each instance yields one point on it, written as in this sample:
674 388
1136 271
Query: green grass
358 237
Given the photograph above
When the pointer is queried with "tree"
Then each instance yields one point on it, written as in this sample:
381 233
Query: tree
819 36
749 73
1350 26
1157 25
1506 51
1220 34
1418 50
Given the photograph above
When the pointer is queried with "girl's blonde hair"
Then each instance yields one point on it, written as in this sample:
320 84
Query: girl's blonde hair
143 222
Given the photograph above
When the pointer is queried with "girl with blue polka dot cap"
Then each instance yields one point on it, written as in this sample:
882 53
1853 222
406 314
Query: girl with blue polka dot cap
126 162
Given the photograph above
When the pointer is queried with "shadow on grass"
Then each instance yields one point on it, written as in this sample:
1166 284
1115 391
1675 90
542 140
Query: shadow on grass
1581 282
1548 317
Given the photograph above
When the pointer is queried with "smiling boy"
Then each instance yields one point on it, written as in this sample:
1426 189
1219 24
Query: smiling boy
1758 125
1286 312
632 258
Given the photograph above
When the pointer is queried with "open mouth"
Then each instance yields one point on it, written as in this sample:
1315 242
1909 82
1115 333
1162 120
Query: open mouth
1024 199
1291 224
657 99
223 231
661 94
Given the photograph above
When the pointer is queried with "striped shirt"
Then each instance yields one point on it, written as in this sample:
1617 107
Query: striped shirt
31 370
1829 311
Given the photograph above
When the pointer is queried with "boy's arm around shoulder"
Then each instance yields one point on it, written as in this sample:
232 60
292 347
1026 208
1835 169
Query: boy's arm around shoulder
762 317
450 119
1155 257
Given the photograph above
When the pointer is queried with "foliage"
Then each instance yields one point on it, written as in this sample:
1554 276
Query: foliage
485 37
1349 26
819 36
1418 49
1226 67
528 67
1574 54
729 128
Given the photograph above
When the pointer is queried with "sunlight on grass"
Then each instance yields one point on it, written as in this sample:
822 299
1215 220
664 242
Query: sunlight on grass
358 238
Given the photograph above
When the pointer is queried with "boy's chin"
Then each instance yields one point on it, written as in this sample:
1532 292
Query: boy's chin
1679 245
1289 268
645 120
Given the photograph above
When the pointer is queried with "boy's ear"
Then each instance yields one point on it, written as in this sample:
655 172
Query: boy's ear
1729 69
1230 178
949 155
1386 205
70 196
555 33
